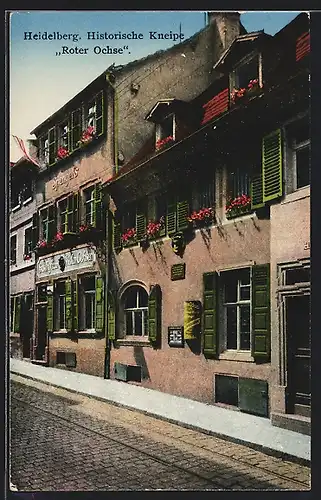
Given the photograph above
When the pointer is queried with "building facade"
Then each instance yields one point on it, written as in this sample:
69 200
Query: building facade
23 176
80 147
208 290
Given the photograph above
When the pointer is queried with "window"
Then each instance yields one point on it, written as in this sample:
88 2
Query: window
165 132
12 311
89 202
204 195
136 311
13 249
21 192
299 145
28 247
238 183
63 134
88 298
237 309
60 305
94 114
44 217
246 71
48 224
65 213
44 149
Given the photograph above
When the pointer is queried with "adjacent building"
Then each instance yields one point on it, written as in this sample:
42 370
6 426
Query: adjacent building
23 174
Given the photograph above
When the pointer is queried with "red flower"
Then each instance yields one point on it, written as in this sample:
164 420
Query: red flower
162 142
41 244
129 233
62 152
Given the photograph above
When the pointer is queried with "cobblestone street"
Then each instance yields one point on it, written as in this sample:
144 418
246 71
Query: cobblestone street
61 441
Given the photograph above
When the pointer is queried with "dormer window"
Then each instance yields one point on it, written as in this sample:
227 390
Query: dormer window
165 132
246 72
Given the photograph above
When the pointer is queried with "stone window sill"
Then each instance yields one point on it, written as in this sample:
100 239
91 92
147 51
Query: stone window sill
134 341
236 356
299 194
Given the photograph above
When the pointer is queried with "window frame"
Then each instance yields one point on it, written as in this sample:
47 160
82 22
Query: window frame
44 235
291 148
239 304
160 128
87 202
57 307
13 249
144 337
28 243
233 80
67 214
81 300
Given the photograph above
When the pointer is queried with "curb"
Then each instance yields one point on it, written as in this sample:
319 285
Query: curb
255 446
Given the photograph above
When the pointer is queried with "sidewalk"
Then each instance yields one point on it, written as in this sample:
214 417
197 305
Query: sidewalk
251 430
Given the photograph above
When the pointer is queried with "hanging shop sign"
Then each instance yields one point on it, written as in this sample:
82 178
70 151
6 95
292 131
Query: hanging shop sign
192 319
178 272
176 336
67 261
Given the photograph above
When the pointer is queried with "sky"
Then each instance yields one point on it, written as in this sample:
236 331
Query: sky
41 80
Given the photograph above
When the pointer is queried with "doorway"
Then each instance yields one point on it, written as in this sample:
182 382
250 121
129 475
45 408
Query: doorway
27 324
41 333
298 354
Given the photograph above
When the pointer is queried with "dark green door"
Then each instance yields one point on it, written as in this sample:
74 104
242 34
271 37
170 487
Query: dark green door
299 354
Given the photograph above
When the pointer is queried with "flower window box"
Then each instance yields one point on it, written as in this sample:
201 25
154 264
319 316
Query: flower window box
129 237
202 217
241 205
154 228
87 136
161 143
62 153
244 93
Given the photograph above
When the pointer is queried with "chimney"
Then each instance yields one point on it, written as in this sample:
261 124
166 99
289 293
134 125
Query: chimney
228 26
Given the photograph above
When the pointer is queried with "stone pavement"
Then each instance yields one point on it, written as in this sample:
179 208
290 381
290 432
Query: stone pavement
64 441
257 432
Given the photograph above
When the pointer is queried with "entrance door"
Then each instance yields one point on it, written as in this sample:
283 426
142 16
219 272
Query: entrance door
299 354
42 332
27 324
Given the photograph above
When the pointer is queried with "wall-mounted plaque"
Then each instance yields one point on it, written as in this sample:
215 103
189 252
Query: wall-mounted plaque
178 272
176 336
192 319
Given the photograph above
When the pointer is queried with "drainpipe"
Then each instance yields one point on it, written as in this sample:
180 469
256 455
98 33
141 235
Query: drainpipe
115 115
106 288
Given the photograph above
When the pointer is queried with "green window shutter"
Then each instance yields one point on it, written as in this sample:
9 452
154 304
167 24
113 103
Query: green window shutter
99 317
272 166
209 314
69 305
50 298
75 213
154 315
75 304
52 145
117 242
111 316
257 192
75 129
52 222
100 114
35 229
261 312
98 209
171 219
182 214
140 226
17 313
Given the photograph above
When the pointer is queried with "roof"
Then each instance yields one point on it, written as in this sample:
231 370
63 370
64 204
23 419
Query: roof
239 45
115 70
